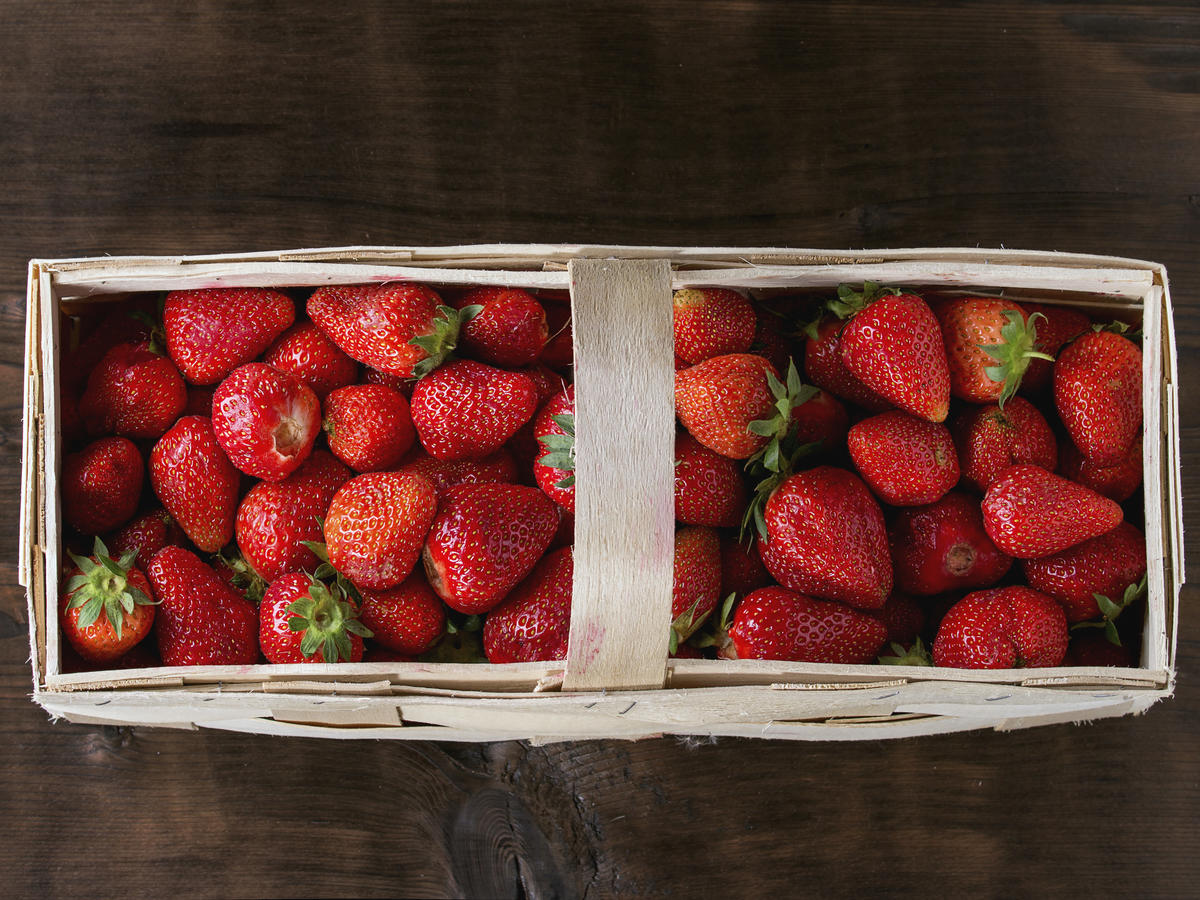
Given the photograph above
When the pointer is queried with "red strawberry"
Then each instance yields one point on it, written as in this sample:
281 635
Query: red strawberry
717 400
1002 628
376 324
307 353
1092 648
1029 512
697 580
907 461
265 421
708 486
304 620
201 621
369 426
213 331
276 517
989 345
1106 566
199 401
742 570
384 655
446 473
407 619
826 537
403 385
767 341
465 410
127 322
101 485
990 440
822 418
943 547
376 525
196 482
564 535
1117 482
1060 325
105 607
146 535
554 469
484 540
533 623
904 619
509 331
775 623
1098 394
133 392
824 367
559 354
712 322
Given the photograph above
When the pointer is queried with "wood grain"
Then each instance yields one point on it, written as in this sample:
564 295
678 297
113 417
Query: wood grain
147 128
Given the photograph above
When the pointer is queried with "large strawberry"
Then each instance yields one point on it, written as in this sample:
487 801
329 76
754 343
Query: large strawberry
201 621
775 623
509 329
134 392
101 485
906 461
718 399
712 322
146 535
1117 482
554 428
211 332
944 547
1002 628
406 619
196 482
304 620
821 419
1098 394
1029 512
498 467
824 366
709 489
697 580
533 623
307 352
106 606
369 426
265 420
989 345
465 410
990 440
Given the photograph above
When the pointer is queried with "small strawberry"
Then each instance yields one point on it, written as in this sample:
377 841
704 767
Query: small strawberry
742 570
306 352
407 619
768 342
1002 628
775 623
824 367
304 620
101 485
989 345
944 547
554 428
533 623
146 535
1093 579
709 489
199 401
717 400
1028 512
201 621
1098 394
904 619
1118 482
133 392
497 467
1061 324
106 607
559 353
906 461
1092 648
265 421
991 440
403 385
821 418
196 482
508 331
697 580
564 535
465 410
369 426
712 322
211 332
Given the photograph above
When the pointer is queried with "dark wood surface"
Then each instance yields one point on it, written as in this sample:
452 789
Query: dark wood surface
172 128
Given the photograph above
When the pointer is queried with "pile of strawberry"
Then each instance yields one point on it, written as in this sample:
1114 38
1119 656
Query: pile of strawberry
954 473
330 475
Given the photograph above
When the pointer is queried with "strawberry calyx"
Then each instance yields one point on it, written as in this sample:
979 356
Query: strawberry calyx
916 655
326 619
560 448
326 570
441 341
1111 609
1118 327
103 588
716 630
459 646
1014 352
849 301
157 341
687 623
242 577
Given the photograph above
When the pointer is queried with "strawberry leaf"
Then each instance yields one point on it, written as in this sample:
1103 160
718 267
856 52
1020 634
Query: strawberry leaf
440 343
1018 340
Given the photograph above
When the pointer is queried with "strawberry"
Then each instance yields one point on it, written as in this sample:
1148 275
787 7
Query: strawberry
708 486
1002 628
146 535
904 619
201 621
403 385
906 461
105 607
768 343
484 540
127 322
465 410
508 331
525 446
821 418
199 401
554 428
1029 512
369 426
944 547
990 440
306 352
498 467
133 392
1092 648
196 482
304 620
717 400
775 623
232 568
697 580
989 345
742 570
384 655
533 623
824 367
276 518
266 421
101 485
559 353
1098 394
211 332
407 619
1059 326
1118 482
825 536
376 525
564 535
1092 579
712 322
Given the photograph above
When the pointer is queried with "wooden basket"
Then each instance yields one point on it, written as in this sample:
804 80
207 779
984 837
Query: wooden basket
617 680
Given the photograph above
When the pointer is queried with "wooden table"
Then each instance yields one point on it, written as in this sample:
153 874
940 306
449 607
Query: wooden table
172 128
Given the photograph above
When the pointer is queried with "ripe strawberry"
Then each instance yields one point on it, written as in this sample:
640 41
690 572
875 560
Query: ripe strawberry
1098 394
376 525
484 540
276 517
376 324
133 392
559 353
1117 482
199 401
105 607
712 322
101 485
465 410
304 620
989 345
775 623
824 367
1104 567
196 482
533 623
1002 628
697 580
717 400
213 331
499 467
201 621
265 421
306 352
1061 324
904 619
708 486
564 535
524 445
146 535
1029 512
1092 648
403 385
407 619
991 440
906 461
554 469
768 343
823 418
742 570
369 426
825 536
125 322
509 330
943 547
